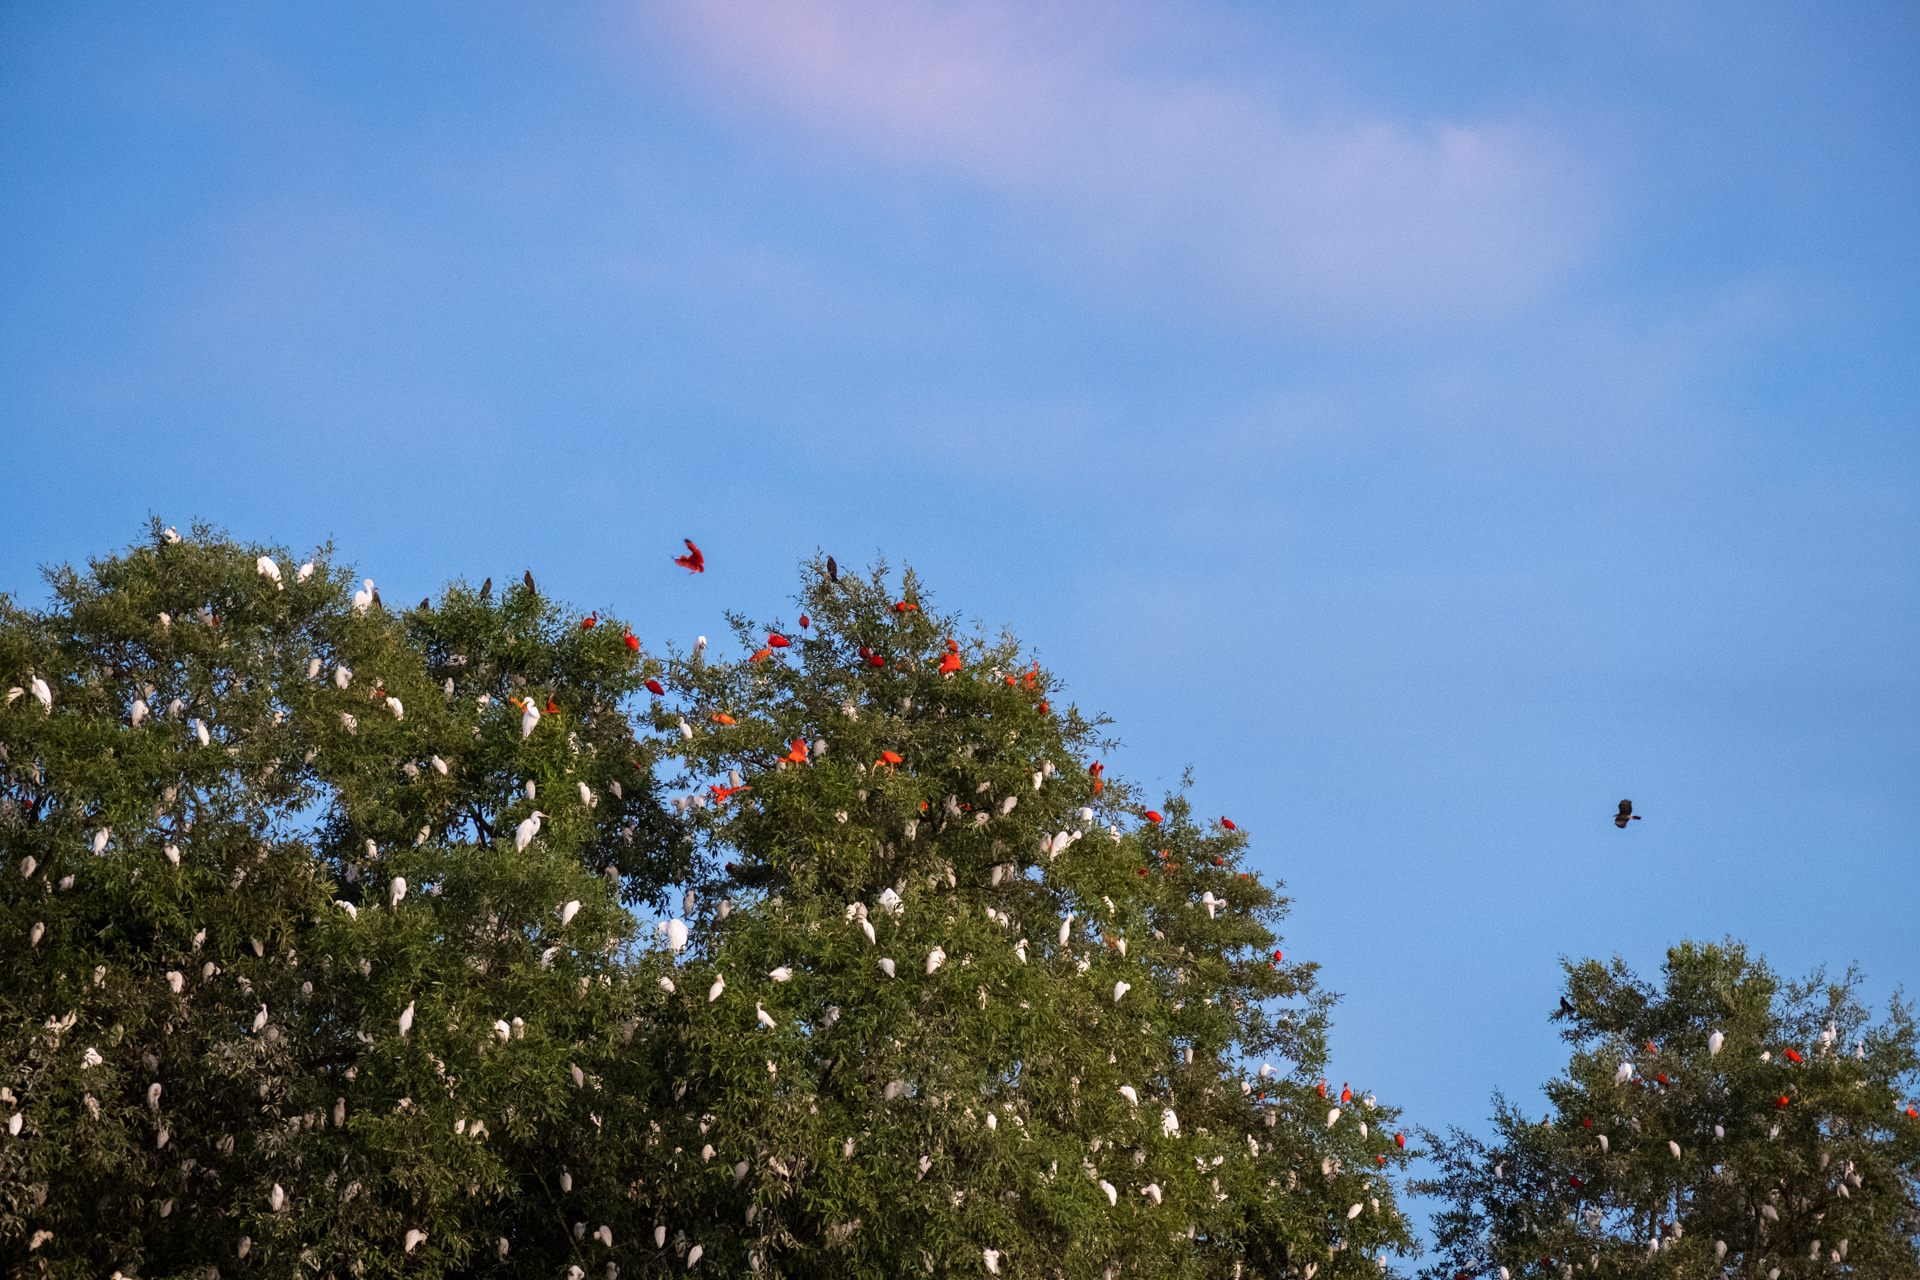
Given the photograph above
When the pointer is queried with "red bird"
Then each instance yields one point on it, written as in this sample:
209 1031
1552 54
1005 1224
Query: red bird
875 660
633 641
653 687
1626 813
760 655
799 753
775 641
1587 1124
1276 957
552 710
1323 1086
720 794
889 759
1096 769
693 560
1228 824
1045 710
1784 1100
590 622
805 622
1401 1138
904 607
1791 1054
1152 816
949 664
1346 1094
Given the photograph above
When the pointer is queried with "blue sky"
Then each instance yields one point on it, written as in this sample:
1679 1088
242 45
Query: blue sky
1430 421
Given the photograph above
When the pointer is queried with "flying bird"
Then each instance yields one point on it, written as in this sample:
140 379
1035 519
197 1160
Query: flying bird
1626 813
694 561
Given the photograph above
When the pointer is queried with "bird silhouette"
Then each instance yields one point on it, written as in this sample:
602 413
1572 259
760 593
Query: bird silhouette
531 589
1626 812
425 601
693 561
1566 1007
833 570
486 589
376 599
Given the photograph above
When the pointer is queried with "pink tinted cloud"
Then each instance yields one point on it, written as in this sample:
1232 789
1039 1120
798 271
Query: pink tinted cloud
1179 183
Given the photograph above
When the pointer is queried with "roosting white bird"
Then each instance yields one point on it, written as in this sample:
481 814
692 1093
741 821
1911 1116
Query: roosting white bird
1127 1092
694 1255
1624 1073
719 985
397 890
41 693
362 601
439 765
342 677
260 1018
1113 1192
1066 928
100 839
1714 1042
1120 989
201 732
529 828
764 1018
306 571
886 966
586 795
139 711
393 705
415 1238
268 569
406 1018
353 912
676 935
529 718
568 912
782 974
935 958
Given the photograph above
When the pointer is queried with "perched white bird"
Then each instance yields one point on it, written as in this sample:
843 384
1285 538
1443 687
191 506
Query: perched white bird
568 912
666 985
1120 989
866 927
782 974
415 1238
305 572
1714 1042
524 833
439 766
529 718
1113 1193
694 1255
397 890
1127 1092
1624 1074
1169 1123
676 935
886 966
765 1019
713 992
260 1018
1066 927
268 569
41 693
579 1082
100 839
201 732
1604 1146
659 1237
173 854
1719 1132
362 601
992 1258
1353 1211
935 958
14 1124
393 705
406 1018
1673 1147
501 1029
277 1198
140 710
1332 1116
91 1059
1152 1191
342 677
890 903
170 536
353 912
586 795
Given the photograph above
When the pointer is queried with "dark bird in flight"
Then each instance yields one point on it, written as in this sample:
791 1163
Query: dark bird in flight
486 589
833 570
693 561
531 589
1626 812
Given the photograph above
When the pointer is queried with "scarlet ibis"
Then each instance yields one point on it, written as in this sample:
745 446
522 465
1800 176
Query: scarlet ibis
632 641
1152 816
776 641
591 621
1621 818
693 561
654 688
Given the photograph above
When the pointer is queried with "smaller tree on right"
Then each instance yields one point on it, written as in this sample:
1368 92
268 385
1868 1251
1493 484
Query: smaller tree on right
1725 1122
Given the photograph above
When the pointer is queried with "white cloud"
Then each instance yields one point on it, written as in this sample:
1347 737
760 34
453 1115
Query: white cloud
1200 190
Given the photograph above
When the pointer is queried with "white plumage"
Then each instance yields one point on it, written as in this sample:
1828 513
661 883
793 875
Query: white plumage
713 992
568 912
173 854
1169 1123
782 974
586 795
886 966
406 1018
415 1238
1332 1117
1624 1074
694 1255
866 927
762 1016
1152 1191
1714 1042
100 839
393 705
1113 1193
176 981
1674 1147
397 890
277 1198
676 935
362 601
201 732
992 1258
935 958
666 985
1120 989
260 1018
268 569
529 719
1127 1092
139 711
1353 1211
1066 928
501 1029
42 694
353 912
1603 1144
524 833
305 571
439 766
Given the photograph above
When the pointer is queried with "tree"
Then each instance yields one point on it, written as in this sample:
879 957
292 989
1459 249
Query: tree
322 920
1724 1122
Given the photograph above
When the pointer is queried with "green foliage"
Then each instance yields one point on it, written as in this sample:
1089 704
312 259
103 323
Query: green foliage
1722 1123
323 954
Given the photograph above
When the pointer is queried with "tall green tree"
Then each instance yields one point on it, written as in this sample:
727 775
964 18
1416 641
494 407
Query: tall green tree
357 940
1722 1122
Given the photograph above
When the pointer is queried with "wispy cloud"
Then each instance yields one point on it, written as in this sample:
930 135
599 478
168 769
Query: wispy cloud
1207 189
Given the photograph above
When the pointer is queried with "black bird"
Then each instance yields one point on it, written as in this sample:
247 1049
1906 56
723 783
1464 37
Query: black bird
486 589
531 589
833 570
424 601
1567 1008
376 600
1626 812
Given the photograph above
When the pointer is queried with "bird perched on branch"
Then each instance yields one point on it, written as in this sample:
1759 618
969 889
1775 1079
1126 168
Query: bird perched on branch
833 570
486 589
693 561
1626 813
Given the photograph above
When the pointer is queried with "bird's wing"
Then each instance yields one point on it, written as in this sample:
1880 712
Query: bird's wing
1626 808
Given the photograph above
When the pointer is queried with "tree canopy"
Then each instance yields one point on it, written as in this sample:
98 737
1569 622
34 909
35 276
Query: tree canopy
364 940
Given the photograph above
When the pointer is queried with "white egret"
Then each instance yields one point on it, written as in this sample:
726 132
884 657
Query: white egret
676 935
362 601
305 572
1714 1042
1113 1193
886 966
713 992
935 958
524 833
100 839
568 912
140 710
41 693
764 1018
397 890
1120 989
268 569
1127 1092
782 974
406 1019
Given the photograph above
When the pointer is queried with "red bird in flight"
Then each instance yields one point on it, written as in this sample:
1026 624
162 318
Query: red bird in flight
693 560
